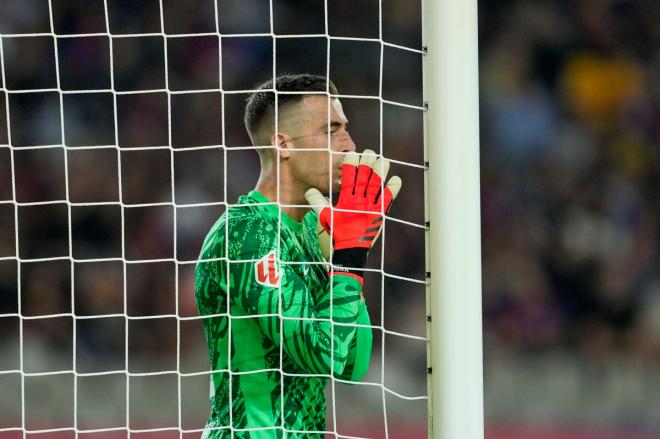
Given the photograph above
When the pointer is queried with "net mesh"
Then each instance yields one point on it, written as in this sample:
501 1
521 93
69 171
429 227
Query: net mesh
121 142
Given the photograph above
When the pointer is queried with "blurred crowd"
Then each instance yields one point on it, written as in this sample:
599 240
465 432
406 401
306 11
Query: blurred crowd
570 177
570 165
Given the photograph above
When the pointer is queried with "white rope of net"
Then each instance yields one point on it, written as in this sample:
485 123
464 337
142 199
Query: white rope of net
379 328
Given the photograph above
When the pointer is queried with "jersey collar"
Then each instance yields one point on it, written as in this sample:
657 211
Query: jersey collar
271 206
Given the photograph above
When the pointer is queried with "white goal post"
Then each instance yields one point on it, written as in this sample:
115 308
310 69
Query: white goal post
453 237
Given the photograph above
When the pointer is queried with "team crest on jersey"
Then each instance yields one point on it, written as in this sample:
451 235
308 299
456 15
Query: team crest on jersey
266 270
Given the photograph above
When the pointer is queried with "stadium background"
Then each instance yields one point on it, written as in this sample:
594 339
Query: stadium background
570 133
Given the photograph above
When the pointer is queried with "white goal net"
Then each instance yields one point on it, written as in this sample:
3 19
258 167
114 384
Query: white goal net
122 142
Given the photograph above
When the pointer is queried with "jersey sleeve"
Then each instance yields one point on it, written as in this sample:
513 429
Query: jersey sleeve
359 352
314 328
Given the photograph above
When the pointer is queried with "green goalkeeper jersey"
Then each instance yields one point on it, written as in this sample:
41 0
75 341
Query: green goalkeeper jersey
263 283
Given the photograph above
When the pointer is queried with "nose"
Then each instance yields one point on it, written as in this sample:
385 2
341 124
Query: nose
347 144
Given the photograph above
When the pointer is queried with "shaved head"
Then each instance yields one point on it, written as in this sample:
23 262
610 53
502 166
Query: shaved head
260 106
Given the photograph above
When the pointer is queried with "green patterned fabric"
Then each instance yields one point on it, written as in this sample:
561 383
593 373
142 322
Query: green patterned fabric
268 349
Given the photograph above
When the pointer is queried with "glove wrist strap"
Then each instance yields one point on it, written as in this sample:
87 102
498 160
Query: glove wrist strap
350 261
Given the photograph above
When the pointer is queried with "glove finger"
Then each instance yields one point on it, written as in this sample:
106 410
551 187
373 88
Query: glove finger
364 171
349 170
316 200
394 185
368 157
321 206
390 192
380 169
351 158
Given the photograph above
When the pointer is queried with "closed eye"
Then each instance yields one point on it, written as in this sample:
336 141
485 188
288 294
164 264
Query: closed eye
335 127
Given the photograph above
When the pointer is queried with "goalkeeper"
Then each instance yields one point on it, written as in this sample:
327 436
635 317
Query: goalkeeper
280 322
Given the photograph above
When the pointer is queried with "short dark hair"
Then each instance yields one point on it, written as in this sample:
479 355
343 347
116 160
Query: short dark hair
261 104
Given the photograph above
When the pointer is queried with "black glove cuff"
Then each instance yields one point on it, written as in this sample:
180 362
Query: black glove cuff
350 260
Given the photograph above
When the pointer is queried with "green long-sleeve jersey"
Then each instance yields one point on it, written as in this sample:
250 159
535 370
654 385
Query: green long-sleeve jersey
277 324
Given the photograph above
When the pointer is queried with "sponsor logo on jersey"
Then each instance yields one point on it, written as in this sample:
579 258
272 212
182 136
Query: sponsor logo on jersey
266 272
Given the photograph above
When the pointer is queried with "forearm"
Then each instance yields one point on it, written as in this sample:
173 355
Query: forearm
359 354
342 304
317 336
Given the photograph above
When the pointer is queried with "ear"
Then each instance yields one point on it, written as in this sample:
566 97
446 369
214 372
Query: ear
282 140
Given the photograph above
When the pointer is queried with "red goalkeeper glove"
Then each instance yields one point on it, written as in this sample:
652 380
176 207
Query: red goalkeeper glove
356 220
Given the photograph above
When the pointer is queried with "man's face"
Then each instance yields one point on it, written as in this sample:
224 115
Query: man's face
317 142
